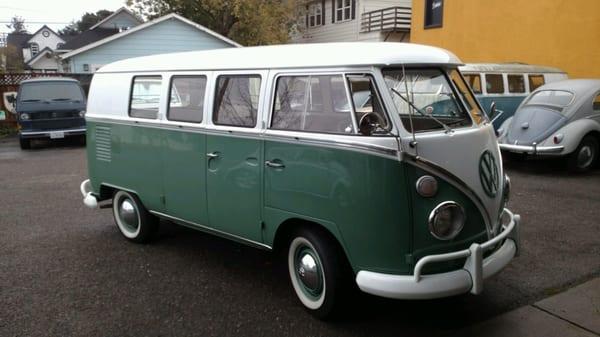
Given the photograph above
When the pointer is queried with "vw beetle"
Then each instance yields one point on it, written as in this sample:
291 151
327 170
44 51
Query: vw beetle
558 119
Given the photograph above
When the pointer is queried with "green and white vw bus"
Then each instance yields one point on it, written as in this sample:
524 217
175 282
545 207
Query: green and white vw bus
339 155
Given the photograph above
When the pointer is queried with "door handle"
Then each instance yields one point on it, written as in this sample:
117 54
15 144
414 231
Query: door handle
212 154
274 164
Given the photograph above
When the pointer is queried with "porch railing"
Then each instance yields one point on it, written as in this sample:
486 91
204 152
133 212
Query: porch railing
391 19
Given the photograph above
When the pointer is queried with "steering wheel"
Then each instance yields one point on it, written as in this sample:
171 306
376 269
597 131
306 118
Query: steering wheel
369 122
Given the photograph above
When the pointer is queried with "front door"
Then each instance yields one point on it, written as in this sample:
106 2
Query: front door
234 157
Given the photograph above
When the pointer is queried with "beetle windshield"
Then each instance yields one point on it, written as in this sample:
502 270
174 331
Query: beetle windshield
426 96
559 98
50 91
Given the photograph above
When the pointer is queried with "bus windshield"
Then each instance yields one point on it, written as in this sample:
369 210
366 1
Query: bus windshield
426 97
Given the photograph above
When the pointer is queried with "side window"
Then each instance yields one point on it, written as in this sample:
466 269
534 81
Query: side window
312 103
596 104
494 84
535 81
186 99
145 97
366 100
474 81
516 84
236 100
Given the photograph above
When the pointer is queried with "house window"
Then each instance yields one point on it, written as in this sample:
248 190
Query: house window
344 10
86 67
236 100
315 15
434 12
35 49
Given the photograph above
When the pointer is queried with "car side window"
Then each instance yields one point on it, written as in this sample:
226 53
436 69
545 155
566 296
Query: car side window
494 84
145 97
474 81
236 100
516 84
312 103
366 100
535 81
596 104
186 99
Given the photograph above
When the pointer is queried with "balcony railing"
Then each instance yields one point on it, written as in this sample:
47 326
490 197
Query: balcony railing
391 19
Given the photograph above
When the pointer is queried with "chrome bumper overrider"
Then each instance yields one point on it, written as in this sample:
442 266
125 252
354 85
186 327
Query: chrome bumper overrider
531 149
88 198
469 278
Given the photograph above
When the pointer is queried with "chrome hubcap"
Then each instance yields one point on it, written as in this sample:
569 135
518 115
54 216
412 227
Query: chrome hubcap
309 272
585 156
128 214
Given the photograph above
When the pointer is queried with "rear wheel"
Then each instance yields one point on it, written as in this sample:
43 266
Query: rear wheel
132 218
25 143
585 156
316 269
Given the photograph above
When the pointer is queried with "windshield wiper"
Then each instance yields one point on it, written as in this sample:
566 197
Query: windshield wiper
30 100
446 127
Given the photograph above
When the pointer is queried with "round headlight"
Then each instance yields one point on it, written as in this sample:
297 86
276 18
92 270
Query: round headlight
82 113
446 220
506 191
25 116
427 186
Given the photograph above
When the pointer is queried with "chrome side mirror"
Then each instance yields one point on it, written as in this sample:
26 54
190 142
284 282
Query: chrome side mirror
492 110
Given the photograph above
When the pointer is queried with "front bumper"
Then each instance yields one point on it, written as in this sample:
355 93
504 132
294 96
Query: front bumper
531 149
49 133
468 279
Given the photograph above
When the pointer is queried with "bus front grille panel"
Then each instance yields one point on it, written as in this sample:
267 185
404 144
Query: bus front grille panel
103 143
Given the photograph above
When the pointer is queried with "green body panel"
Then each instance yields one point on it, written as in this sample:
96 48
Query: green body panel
365 200
135 161
423 242
184 156
234 185
363 195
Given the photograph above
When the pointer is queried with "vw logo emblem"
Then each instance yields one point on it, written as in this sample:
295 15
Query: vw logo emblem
488 174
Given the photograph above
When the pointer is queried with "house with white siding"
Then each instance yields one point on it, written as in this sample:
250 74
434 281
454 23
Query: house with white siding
167 34
354 20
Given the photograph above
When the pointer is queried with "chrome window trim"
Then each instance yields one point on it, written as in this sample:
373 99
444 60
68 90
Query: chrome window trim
211 230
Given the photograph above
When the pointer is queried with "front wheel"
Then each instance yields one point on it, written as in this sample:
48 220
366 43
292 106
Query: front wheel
585 156
25 143
132 218
315 265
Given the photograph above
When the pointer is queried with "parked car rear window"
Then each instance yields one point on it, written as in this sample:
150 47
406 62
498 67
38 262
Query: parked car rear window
50 91
558 98
474 81
536 81
494 84
236 100
186 100
145 97
312 103
516 84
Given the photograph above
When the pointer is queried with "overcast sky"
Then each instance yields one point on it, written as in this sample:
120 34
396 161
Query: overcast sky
55 13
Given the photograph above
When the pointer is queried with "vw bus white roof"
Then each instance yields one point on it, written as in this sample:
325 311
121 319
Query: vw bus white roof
289 56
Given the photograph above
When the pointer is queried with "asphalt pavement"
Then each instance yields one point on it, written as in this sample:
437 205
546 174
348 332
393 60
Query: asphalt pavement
65 270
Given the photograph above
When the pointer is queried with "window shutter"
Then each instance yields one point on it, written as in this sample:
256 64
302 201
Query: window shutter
353 9
332 11
323 12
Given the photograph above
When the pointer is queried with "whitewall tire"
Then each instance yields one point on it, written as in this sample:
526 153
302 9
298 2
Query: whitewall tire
132 218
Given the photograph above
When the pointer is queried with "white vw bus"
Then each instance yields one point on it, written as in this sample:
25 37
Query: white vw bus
367 164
